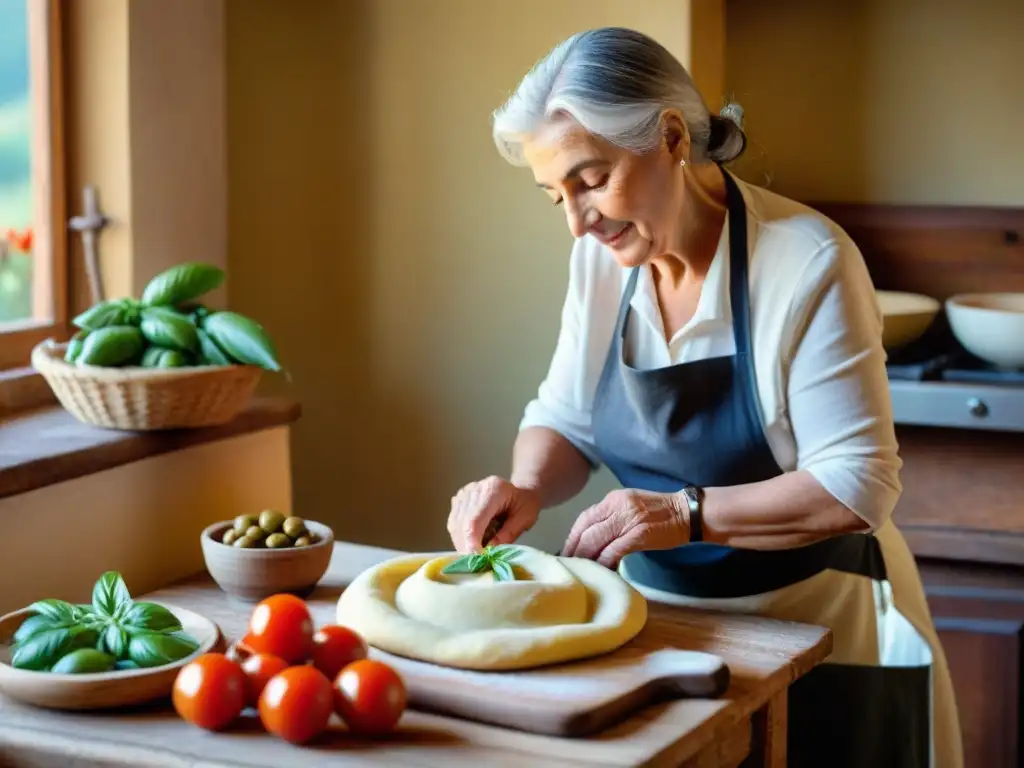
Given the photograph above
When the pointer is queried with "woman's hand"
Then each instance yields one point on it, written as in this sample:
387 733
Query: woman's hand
477 505
628 521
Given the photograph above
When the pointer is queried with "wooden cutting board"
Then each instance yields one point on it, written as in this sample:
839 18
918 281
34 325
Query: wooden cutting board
568 700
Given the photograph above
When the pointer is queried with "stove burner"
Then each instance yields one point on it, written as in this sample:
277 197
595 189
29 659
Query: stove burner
974 371
937 356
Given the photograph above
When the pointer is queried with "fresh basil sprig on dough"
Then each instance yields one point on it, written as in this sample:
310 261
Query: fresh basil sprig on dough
133 634
497 559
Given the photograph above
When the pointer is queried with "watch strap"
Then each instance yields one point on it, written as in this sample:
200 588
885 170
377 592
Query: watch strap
694 496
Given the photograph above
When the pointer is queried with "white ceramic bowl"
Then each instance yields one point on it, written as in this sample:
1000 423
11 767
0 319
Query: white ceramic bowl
905 316
989 326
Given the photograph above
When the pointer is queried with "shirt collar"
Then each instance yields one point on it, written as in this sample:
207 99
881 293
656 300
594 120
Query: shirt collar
713 306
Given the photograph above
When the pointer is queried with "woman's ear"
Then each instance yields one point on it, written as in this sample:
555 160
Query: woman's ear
675 135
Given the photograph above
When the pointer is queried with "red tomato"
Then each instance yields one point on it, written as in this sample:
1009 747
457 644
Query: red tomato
281 626
296 704
209 691
369 696
335 647
259 668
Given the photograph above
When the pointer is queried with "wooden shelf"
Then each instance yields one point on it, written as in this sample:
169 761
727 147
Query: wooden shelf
45 446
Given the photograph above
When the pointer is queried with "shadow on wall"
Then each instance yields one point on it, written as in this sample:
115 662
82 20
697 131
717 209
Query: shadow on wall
301 150
906 102
804 131
412 279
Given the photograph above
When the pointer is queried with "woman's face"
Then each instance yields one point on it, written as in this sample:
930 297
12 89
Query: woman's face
628 201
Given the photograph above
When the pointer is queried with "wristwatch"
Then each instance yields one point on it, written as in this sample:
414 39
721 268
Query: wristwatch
694 496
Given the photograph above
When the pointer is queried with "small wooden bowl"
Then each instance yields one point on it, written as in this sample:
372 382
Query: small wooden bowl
250 575
100 690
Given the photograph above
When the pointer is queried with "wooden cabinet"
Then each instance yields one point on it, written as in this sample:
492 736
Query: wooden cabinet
979 614
962 513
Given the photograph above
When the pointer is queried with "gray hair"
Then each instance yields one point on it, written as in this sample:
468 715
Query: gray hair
615 83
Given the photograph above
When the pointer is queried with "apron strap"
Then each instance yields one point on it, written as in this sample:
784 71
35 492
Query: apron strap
718 571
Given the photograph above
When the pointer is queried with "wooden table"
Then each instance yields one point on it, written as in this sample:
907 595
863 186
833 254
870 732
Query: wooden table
765 657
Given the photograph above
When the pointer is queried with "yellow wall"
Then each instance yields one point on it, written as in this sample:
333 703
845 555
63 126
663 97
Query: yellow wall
883 101
360 154
141 519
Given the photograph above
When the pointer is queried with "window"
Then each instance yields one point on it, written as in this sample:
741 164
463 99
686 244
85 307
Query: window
33 265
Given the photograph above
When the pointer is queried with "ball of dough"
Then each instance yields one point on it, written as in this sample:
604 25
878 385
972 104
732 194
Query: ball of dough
558 609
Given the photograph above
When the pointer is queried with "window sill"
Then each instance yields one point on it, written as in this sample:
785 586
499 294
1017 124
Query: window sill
47 445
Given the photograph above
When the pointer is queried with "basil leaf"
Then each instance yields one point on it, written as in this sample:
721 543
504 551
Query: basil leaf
44 649
506 552
479 562
101 315
211 353
167 328
83 661
242 339
126 664
182 283
149 617
466 564
32 626
84 612
56 610
114 641
502 571
154 649
109 594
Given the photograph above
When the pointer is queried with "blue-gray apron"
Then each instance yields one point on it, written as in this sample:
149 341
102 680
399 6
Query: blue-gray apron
698 423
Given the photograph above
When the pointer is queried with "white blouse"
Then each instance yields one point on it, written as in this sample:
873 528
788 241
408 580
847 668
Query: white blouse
817 337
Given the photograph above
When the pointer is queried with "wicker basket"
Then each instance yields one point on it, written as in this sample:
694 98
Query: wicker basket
134 398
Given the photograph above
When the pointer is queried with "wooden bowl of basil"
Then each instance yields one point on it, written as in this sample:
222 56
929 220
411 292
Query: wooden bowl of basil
51 650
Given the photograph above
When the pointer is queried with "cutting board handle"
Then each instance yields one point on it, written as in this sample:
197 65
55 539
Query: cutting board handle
664 675
567 700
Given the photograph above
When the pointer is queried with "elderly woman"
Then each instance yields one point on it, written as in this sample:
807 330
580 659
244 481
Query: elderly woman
720 352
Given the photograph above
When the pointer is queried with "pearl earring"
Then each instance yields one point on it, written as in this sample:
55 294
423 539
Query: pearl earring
682 163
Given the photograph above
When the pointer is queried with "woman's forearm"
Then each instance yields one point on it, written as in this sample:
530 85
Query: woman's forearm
790 510
548 464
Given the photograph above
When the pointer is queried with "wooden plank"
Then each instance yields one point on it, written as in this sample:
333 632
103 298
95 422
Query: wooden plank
46 71
937 465
769 732
936 250
22 389
50 302
765 657
48 445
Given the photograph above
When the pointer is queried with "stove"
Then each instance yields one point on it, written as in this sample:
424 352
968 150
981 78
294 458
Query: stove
935 382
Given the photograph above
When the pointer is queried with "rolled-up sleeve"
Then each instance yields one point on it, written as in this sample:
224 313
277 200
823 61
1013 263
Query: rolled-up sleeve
839 405
565 396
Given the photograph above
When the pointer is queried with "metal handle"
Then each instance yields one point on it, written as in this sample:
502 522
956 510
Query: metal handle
977 407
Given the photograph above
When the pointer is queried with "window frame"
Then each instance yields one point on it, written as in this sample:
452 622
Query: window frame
50 273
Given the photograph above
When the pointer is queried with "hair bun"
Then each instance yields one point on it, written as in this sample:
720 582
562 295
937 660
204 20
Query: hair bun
727 140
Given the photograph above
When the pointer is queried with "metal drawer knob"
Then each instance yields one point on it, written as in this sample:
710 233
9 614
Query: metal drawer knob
977 407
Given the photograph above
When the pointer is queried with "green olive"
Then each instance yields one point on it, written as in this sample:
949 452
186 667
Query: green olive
303 541
229 536
278 541
294 527
246 542
270 521
313 538
255 532
243 523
